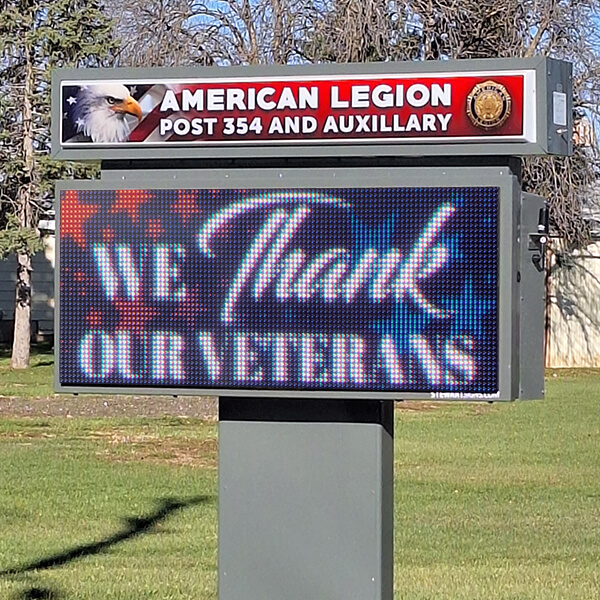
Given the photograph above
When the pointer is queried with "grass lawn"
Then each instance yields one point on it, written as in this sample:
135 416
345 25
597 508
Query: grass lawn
36 381
96 509
491 501
501 501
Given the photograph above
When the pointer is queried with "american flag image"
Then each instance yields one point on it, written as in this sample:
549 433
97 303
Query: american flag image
88 109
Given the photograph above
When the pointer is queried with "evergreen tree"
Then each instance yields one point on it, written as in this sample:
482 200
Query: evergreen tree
35 37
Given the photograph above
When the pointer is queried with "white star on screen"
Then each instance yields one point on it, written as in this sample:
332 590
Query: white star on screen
72 100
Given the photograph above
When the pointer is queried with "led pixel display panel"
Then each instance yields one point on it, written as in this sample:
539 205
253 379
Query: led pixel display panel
308 290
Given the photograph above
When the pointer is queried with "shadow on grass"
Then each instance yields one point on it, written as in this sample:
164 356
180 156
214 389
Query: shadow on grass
133 527
38 593
43 363
36 349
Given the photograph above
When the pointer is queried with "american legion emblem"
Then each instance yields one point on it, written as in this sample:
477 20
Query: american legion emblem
488 104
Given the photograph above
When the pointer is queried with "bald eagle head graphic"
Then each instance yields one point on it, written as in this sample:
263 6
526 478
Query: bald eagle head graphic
100 112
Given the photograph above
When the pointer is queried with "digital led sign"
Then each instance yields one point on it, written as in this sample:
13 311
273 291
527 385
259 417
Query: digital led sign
362 289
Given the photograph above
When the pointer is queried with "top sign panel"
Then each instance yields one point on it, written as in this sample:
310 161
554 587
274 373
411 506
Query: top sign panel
466 107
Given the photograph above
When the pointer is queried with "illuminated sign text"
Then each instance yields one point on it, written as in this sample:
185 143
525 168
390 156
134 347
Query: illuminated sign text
383 289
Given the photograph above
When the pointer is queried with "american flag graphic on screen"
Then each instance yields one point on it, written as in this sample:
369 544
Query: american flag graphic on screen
359 289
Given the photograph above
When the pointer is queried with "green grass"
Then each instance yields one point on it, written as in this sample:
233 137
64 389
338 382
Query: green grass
67 484
34 382
491 502
501 501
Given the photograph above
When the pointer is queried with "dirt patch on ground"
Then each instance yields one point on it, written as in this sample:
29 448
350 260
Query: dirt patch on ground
416 406
198 407
122 446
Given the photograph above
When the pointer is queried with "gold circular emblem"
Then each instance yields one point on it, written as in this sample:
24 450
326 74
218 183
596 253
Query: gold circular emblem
488 104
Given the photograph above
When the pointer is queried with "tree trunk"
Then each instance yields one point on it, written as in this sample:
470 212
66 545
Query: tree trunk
22 332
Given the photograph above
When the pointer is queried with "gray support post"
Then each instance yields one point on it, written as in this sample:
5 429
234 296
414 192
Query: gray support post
305 499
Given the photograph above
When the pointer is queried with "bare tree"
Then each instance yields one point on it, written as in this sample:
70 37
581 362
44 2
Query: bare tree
562 29
352 31
238 32
153 33
199 32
